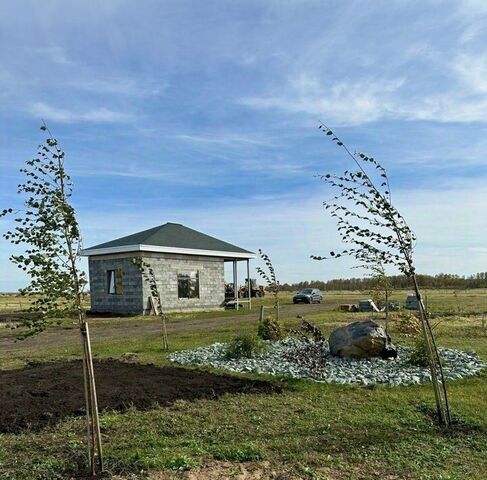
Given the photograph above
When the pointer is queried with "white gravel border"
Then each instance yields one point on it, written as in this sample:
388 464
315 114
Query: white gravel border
457 364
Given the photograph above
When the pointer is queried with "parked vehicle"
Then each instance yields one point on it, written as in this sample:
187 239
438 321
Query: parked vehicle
412 302
308 295
255 290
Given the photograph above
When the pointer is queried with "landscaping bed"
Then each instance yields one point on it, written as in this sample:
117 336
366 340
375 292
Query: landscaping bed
43 394
282 358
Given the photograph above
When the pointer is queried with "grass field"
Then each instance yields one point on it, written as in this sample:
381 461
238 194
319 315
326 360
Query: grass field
309 430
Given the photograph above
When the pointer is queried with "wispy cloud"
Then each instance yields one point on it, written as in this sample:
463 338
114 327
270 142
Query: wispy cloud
344 102
139 172
226 139
53 53
95 115
351 103
472 71
131 87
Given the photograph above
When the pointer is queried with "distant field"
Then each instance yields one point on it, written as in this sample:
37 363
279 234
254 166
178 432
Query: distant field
439 301
13 303
17 303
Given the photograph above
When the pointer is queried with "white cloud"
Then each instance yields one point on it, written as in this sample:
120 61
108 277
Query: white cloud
347 102
344 102
96 115
472 70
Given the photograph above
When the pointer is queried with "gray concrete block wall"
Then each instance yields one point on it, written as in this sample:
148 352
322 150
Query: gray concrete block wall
130 301
211 281
136 292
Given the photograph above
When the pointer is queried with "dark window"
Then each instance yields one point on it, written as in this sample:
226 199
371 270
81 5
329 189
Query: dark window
114 282
188 285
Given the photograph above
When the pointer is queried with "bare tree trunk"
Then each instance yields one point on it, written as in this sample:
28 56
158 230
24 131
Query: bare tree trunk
387 312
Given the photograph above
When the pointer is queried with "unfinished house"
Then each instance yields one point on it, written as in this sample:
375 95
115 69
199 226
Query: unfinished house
188 267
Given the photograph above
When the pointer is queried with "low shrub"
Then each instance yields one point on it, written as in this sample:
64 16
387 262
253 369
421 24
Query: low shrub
312 351
269 329
245 346
419 355
406 323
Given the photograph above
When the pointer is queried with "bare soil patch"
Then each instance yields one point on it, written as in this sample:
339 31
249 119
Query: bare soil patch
42 394
224 470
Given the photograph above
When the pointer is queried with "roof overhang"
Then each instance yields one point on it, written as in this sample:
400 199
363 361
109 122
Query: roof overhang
156 249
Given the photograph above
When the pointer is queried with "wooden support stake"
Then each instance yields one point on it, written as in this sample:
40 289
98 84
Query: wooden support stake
235 284
96 425
96 452
89 433
165 342
249 284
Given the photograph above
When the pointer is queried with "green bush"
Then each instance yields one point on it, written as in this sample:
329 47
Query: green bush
245 346
269 329
419 355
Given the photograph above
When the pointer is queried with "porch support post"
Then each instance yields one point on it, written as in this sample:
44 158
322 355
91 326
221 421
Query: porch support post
235 283
249 286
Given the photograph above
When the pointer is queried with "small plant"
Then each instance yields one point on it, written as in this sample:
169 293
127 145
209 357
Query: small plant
382 286
406 323
269 329
247 452
244 346
150 278
181 463
419 355
313 349
308 330
270 279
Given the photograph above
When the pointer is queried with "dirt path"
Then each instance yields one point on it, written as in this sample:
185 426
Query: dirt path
62 337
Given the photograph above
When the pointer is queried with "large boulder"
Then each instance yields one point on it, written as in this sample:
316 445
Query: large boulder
363 339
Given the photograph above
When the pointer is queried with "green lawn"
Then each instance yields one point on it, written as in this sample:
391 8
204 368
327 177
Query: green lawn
311 430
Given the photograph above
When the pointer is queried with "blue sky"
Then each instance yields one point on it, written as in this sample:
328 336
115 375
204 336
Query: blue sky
206 114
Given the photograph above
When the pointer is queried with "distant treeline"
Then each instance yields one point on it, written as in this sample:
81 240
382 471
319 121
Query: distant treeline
442 280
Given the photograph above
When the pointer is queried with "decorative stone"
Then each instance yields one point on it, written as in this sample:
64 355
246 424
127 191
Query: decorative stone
363 339
275 361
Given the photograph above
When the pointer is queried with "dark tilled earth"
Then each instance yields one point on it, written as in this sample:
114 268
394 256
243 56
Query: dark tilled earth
43 394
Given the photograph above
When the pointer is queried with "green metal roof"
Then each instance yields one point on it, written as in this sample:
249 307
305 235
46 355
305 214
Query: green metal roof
172 235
